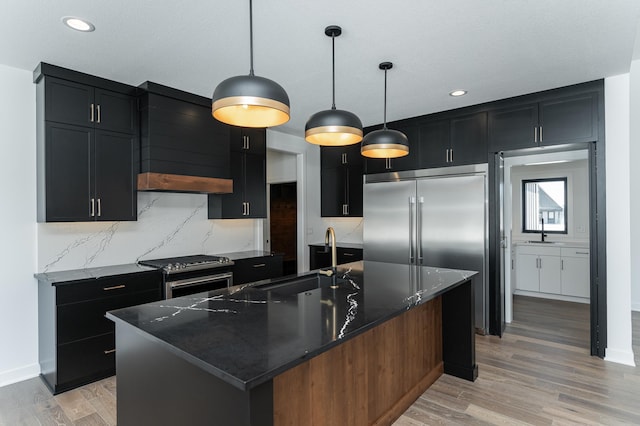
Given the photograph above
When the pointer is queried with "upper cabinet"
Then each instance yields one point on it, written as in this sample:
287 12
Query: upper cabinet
87 147
249 173
409 162
554 119
341 169
456 141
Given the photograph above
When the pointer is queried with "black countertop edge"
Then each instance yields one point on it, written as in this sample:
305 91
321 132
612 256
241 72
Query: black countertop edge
75 275
342 245
239 255
273 372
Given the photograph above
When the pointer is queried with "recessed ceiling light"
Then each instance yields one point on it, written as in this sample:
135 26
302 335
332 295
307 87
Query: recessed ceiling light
78 24
458 93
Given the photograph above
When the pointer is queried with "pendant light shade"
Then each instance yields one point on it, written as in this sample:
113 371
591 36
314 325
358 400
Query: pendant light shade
385 143
333 127
249 100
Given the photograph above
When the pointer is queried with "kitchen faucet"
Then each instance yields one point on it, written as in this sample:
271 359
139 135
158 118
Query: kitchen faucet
330 238
542 234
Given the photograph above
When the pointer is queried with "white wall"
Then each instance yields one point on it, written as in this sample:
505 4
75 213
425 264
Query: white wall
618 194
18 288
634 156
281 166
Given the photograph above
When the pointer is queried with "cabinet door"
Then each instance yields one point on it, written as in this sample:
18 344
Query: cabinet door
255 185
576 276
68 173
86 360
550 274
68 102
115 176
527 272
354 191
248 140
333 191
569 120
346 255
469 139
115 111
434 142
408 162
512 127
318 257
232 204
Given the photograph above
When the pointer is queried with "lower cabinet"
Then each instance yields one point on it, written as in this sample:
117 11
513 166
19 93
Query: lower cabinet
76 341
553 270
321 258
257 268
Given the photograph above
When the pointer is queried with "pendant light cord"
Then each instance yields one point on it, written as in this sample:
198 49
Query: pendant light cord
385 100
251 36
333 70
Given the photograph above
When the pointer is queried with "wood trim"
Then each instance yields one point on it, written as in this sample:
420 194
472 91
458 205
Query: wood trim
370 379
183 183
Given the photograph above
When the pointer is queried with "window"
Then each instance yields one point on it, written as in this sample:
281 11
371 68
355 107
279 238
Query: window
544 203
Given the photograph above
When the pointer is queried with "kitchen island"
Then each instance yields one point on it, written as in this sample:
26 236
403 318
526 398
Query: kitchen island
296 351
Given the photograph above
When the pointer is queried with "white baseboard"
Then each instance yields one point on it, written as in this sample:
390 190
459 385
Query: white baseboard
619 356
19 374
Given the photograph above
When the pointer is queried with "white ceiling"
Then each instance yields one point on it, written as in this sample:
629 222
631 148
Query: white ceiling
493 48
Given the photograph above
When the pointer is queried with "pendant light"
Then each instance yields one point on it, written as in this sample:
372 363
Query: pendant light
333 127
249 100
385 143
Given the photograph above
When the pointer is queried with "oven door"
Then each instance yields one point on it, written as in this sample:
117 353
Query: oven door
176 286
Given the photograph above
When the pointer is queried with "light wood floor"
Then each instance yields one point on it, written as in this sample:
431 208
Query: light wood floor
539 373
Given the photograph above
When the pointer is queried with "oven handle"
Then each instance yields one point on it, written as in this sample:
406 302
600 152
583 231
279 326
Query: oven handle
193 281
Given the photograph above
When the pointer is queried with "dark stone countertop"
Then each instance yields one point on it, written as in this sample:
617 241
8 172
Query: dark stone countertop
342 245
246 336
74 275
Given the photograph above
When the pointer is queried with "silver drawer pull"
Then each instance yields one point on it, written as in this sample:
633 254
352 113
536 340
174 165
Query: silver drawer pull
582 252
348 254
110 351
259 265
115 287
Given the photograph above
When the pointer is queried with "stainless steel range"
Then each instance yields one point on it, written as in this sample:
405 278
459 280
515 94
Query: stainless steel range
186 275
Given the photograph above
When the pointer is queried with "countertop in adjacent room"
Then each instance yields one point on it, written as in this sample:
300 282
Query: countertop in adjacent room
246 336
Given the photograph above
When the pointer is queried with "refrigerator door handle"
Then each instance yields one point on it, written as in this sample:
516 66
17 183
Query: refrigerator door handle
419 225
412 239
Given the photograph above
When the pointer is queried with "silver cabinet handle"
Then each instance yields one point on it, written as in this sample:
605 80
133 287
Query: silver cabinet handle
93 207
419 225
92 113
248 208
582 252
562 264
387 163
244 209
446 155
109 351
99 207
451 155
347 254
540 133
259 265
535 134
115 287
98 113
245 142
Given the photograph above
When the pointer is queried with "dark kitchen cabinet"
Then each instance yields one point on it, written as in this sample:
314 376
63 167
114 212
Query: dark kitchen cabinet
455 141
249 174
411 128
257 268
87 147
553 120
76 341
341 170
320 257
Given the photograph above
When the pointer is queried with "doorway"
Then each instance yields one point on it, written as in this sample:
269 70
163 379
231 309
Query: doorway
283 212
558 271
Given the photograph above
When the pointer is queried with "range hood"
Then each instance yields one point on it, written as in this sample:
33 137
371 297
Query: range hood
182 147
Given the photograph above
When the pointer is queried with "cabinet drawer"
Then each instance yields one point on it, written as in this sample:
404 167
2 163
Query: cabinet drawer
86 359
575 252
85 319
348 255
256 269
538 249
108 287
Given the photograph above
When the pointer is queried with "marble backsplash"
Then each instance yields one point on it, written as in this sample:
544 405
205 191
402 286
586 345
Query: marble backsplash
169 224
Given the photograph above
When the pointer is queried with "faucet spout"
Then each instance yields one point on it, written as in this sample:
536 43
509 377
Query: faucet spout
330 238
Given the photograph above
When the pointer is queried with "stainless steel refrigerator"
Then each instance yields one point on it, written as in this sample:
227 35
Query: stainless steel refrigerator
432 217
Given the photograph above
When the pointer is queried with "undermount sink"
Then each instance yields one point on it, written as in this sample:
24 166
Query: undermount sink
299 284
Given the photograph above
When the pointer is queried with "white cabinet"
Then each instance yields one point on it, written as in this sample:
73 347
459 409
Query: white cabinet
575 272
553 270
538 269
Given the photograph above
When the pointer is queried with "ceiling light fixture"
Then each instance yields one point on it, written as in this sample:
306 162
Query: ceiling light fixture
457 93
333 127
78 24
249 100
385 143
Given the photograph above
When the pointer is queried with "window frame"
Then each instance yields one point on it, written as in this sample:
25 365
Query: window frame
565 210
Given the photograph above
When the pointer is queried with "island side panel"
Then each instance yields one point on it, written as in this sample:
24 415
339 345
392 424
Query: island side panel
370 379
157 387
459 338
